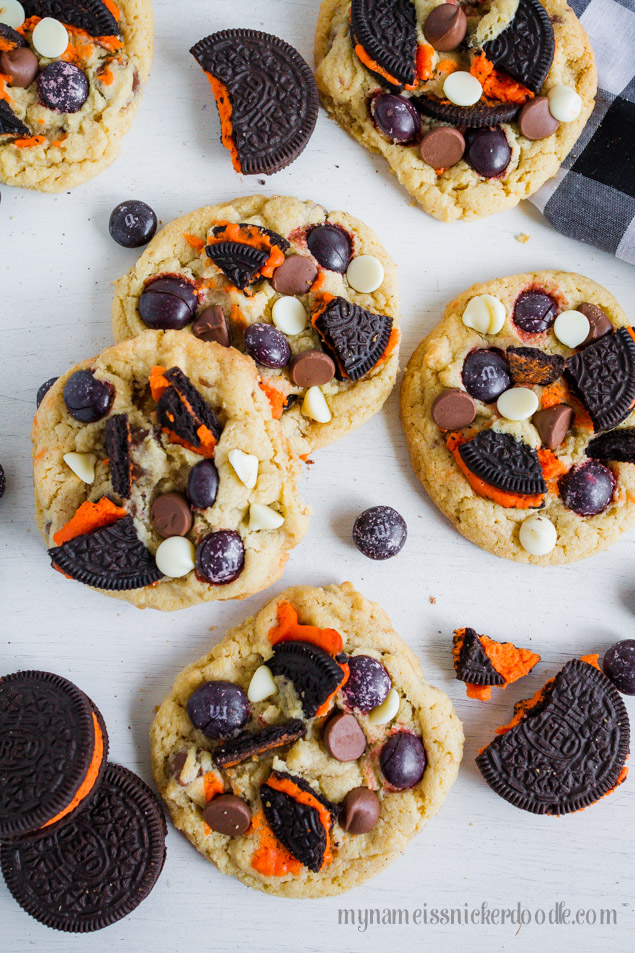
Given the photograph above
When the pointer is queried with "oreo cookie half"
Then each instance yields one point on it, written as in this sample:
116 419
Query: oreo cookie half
53 751
384 34
299 827
471 663
10 125
504 463
618 446
98 867
314 673
526 48
354 337
473 117
92 16
251 744
568 749
118 442
266 96
603 377
241 263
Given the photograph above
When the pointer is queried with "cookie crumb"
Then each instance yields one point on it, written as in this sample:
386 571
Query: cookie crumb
432 600
522 238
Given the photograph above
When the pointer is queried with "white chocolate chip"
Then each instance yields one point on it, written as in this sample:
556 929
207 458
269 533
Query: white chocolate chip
538 535
12 13
387 710
571 328
175 557
564 103
245 466
289 315
49 38
264 517
261 685
82 465
462 88
517 403
365 273
485 314
314 405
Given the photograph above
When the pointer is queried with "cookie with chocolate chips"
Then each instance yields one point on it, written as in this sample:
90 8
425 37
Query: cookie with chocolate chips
313 788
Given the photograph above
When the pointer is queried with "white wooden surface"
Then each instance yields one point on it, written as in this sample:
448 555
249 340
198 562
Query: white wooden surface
57 262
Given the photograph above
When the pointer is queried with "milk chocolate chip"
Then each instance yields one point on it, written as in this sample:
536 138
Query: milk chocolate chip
453 409
442 147
171 515
20 65
311 368
211 325
359 811
535 121
227 814
343 738
294 276
445 27
599 322
553 424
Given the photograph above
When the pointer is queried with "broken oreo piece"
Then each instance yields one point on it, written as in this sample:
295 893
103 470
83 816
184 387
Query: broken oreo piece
252 744
384 34
186 416
472 117
529 366
118 440
242 251
266 96
481 662
299 817
219 231
603 377
112 557
564 749
504 462
525 49
241 263
92 16
316 676
355 338
8 33
618 446
10 125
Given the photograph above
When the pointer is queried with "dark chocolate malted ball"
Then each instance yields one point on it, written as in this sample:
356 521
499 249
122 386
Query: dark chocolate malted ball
267 345
43 390
588 488
619 666
403 760
359 811
218 709
63 87
220 557
330 246
227 814
395 117
380 532
202 484
487 151
132 224
168 303
20 65
368 683
486 374
535 311
87 399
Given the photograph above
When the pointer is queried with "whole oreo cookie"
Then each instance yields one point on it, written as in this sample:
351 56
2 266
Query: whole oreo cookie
53 751
473 117
92 16
504 463
526 48
603 377
266 97
561 756
354 337
384 34
100 866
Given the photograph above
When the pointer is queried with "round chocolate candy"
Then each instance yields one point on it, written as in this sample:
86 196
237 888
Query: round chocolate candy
396 117
20 65
227 814
445 27
442 147
619 666
599 322
403 760
380 532
360 811
453 409
330 246
211 325
535 121
171 515
132 223
343 738
267 345
43 390
220 557
218 708
368 683
295 276
311 368
202 484
167 303
487 151
63 87
588 488
486 374
87 399
535 311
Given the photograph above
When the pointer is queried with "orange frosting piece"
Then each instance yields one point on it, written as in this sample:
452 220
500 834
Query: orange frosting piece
287 786
212 785
275 397
197 243
91 775
224 106
87 517
289 629
510 662
497 85
158 381
271 859
425 55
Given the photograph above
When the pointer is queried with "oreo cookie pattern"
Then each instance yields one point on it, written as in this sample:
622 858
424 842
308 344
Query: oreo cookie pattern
535 463
63 123
161 476
325 809
310 295
100 866
488 129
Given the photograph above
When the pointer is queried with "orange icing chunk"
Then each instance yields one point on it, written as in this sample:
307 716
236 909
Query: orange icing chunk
287 786
447 66
158 381
425 56
481 692
552 468
114 9
523 706
271 859
212 785
275 397
592 660
370 63
196 243
289 629
224 106
328 703
91 775
497 85
510 662
28 142
87 517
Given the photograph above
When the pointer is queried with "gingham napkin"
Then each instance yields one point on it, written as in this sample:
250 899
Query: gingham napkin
592 198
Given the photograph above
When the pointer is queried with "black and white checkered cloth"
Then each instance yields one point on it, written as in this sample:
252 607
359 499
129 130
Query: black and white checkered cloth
592 198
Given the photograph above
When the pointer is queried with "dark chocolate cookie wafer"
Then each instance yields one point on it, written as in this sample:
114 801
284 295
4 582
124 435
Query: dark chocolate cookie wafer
504 462
355 338
92 16
241 263
10 125
384 34
266 97
526 48
251 744
314 673
99 866
603 377
53 750
118 440
618 445
530 366
568 749
300 818
473 117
